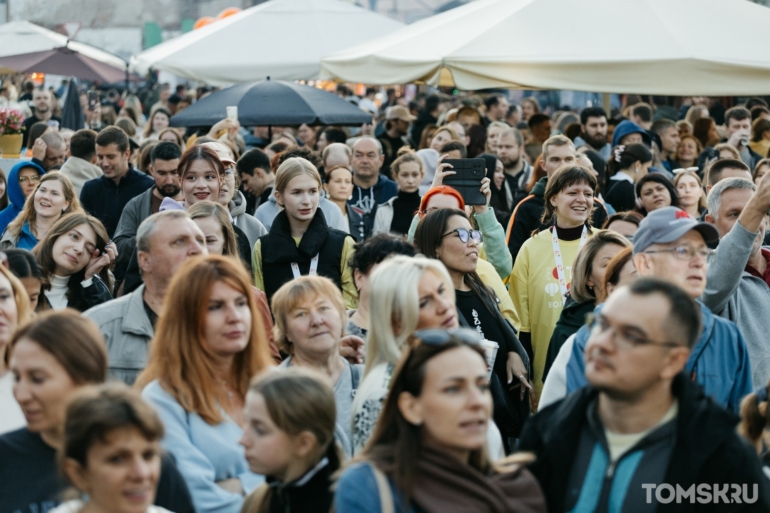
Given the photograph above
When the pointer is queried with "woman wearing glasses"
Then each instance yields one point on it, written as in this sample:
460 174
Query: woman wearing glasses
447 235
427 451
22 181
542 273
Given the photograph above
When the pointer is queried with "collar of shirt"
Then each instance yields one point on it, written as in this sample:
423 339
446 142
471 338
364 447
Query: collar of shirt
754 272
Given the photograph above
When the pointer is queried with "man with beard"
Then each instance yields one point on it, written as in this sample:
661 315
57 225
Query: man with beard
517 170
593 122
43 102
163 169
397 123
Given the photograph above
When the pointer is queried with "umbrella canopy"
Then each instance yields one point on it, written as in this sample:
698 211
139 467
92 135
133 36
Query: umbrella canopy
273 103
281 39
22 37
63 61
664 47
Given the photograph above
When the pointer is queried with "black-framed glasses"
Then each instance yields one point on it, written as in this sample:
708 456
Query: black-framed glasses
465 235
624 336
686 253
436 337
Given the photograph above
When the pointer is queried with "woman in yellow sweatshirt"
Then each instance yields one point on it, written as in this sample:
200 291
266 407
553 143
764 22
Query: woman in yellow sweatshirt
543 269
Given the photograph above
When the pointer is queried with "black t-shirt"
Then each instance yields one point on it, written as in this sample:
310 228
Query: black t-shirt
484 322
30 482
151 315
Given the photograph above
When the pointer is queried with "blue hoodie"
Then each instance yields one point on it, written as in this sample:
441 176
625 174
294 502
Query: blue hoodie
626 127
15 194
719 361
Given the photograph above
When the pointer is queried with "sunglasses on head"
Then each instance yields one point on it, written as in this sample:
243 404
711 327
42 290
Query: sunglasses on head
435 337
465 235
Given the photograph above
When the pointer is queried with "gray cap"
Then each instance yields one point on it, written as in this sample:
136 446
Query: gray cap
669 224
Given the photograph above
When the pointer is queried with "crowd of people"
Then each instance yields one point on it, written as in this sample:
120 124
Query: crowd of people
309 319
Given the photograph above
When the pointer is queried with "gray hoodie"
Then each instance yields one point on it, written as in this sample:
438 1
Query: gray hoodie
736 295
250 226
334 219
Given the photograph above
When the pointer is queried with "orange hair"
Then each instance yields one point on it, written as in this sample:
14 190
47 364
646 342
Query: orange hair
179 355
441 189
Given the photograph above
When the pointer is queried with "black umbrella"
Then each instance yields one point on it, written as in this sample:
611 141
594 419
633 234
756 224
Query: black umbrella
273 103
72 113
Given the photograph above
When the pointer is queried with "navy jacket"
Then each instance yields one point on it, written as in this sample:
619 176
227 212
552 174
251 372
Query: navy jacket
105 200
719 361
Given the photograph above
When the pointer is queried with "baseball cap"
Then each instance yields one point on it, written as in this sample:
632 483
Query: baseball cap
399 112
667 225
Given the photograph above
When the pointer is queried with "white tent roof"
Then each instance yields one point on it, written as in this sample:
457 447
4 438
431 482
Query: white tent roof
19 37
671 47
280 39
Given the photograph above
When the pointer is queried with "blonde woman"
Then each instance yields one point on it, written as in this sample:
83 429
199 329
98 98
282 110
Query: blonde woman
299 241
408 294
54 197
692 197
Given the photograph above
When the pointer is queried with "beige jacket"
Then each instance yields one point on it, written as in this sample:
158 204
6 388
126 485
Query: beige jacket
79 171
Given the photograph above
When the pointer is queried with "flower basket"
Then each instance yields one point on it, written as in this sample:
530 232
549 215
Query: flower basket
11 126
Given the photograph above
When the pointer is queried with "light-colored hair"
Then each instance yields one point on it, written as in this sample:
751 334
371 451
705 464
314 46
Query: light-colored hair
729 147
369 138
451 131
556 140
336 147
298 400
296 291
207 208
180 357
678 178
292 168
584 263
149 226
28 213
406 154
394 297
715 194
510 131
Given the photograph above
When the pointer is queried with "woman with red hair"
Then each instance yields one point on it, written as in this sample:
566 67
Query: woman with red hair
209 342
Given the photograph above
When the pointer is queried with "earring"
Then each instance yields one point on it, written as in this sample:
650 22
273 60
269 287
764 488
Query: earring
636 170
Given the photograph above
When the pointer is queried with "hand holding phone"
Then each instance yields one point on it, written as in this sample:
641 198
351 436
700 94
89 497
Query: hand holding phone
467 178
232 113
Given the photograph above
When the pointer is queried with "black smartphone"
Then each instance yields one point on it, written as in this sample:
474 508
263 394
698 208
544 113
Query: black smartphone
93 98
467 179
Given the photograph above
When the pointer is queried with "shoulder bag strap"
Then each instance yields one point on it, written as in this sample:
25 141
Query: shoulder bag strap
386 497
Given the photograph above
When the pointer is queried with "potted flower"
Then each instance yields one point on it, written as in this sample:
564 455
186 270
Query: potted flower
11 126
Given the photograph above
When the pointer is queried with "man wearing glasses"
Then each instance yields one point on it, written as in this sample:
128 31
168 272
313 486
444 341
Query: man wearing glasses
641 430
739 279
672 246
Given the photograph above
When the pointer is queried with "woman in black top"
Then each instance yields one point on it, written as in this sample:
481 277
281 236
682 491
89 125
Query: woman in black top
447 235
627 165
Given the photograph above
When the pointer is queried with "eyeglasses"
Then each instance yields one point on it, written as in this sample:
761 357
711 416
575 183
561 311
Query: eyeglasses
464 235
434 337
623 336
686 253
25 179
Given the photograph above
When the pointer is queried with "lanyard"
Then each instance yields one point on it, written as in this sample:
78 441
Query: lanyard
559 262
313 268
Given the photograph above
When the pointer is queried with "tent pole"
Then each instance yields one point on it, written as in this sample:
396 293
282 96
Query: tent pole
606 103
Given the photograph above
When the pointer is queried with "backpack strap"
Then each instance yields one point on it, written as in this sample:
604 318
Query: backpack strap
386 497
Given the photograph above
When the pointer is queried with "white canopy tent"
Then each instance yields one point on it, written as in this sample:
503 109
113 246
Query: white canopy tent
280 39
666 47
20 37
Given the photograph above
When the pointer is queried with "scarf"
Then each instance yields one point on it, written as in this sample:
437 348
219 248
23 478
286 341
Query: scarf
444 485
